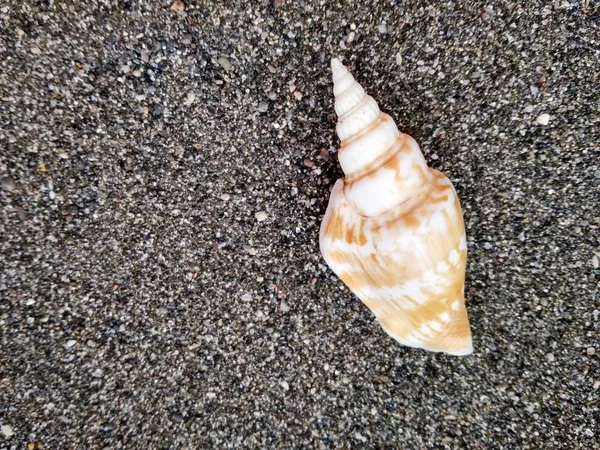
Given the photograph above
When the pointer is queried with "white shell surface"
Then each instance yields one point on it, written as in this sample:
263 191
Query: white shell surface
393 230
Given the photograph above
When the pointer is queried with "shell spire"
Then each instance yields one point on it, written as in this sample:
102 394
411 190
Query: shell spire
371 144
393 230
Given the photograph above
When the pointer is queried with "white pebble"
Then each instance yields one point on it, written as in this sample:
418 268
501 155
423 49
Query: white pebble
246 297
399 58
211 395
261 216
7 431
534 90
70 343
591 351
225 64
595 263
360 437
225 197
250 250
543 119
284 307
190 98
285 385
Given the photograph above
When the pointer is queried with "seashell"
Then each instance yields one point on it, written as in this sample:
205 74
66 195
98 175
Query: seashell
393 230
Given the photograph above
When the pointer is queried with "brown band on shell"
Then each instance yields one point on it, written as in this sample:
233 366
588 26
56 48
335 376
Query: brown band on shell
399 146
377 122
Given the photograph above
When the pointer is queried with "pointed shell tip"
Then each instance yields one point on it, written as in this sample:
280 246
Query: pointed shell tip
336 65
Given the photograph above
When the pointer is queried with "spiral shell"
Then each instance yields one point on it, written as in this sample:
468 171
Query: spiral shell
393 230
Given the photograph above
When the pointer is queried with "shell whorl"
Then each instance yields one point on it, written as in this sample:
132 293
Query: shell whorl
383 166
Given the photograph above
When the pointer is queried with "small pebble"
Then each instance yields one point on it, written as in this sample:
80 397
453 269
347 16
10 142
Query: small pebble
595 263
246 297
284 307
360 437
7 431
157 111
285 385
591 351
225 197
534 90
297 95
8 184
191 97
382 28
35 51
225 64
178 6
543 119
272 95
211 395
550 357
263 107
70 343
261 216
399 58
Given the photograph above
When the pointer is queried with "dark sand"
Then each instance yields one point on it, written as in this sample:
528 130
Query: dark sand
144 306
